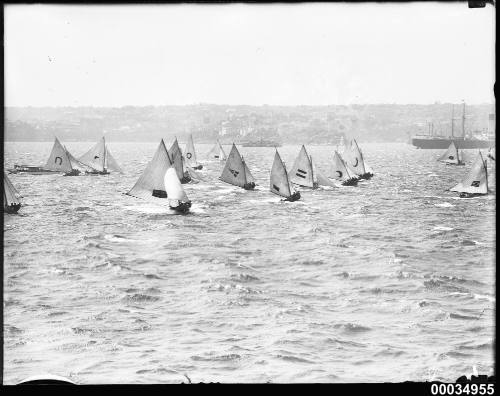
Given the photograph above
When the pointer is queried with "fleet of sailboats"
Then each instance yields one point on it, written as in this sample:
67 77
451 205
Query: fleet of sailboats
451 156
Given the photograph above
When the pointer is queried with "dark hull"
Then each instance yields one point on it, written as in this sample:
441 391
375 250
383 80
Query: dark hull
444 143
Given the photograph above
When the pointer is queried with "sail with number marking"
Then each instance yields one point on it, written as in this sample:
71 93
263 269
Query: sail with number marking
354 159
302 172
190 153
279 182
152 181
234 171
476 180
451 155
96 156
217 152
58 159
338 168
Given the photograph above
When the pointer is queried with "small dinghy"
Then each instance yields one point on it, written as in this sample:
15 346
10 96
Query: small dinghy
236 171
339 171
217 152
178 162
302 172
451 156
355 161
11 197
177 198
279 181
191 160
475 183
151 184
99 160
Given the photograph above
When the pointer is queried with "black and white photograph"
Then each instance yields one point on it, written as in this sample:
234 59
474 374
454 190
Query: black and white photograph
238 192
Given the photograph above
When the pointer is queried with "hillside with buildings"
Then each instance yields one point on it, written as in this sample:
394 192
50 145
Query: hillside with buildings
288 124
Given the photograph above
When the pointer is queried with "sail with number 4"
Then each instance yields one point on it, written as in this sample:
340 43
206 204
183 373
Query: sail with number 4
217 152
302 172
451 155
151 184
11 197
99 158
476 180
235 171
190 153
279 182
58 158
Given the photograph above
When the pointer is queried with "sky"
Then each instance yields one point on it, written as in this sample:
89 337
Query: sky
254 54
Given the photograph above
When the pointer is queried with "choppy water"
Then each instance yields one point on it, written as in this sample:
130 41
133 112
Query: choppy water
389 281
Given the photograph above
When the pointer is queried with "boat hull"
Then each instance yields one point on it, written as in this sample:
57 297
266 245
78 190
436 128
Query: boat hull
444 143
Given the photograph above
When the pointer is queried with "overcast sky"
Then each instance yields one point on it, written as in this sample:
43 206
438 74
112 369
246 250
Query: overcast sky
314 54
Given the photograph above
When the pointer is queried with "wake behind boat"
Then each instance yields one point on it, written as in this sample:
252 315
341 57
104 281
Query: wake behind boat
236 171
475 183
11 197
280 183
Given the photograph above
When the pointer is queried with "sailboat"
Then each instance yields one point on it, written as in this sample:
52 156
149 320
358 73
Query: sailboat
217 152
355 161
177 197
236 171
476 181
11 197
279 181
178 162
451 156
99 159
302 172
319 178
151 184
191 155
339 171
58 162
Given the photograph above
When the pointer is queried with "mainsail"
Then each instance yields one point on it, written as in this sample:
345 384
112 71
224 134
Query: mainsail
173 187
302 172
151 183
190 153
10 194
58 159
96 156
320 178
338 168
476 181
451 155
354 159
279 182
235 170
177 159
217 152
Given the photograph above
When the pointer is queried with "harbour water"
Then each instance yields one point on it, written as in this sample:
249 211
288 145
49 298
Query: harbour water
393 280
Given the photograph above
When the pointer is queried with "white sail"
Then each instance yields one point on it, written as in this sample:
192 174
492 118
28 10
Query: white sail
302 171
152 179
190 153
320 178
279 183
58 159
234 169
96 156
173 186
111 163
217 152
338 168
175 155
10 194
248 175
75 164
476 180
354 159
451 155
